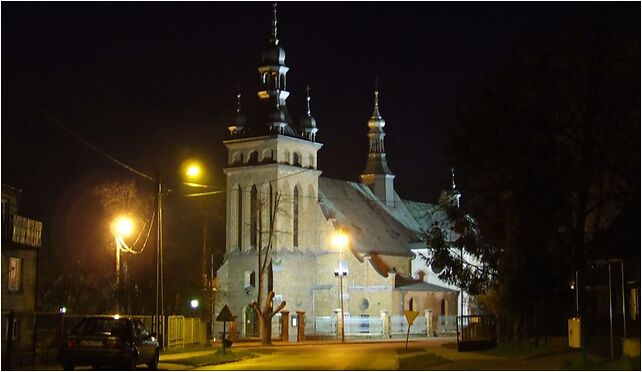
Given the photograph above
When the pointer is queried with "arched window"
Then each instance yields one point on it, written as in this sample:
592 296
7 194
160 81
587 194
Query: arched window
411 304
239 231
254 216
311 161
295 218
253 157
296 159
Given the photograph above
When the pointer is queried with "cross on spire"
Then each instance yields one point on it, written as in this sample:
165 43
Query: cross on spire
376 93
452 175
307 98
274 22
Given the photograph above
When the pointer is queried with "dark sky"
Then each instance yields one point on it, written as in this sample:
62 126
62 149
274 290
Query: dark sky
155 83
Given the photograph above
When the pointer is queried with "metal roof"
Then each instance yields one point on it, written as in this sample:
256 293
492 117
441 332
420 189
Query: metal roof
374 227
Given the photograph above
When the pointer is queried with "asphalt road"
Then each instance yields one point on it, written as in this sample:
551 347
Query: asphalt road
367 356
384 356
320 357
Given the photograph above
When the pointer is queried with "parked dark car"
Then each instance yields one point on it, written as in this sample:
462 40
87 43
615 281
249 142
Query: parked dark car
121 342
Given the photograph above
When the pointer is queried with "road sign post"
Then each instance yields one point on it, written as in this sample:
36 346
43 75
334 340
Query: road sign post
410 317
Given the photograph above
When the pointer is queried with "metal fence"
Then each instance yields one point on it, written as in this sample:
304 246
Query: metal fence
476 332
321 325
363 326
447 325
399 325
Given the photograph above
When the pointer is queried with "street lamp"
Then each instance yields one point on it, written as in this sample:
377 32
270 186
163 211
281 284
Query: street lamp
340 240
194 172
122 227
193 304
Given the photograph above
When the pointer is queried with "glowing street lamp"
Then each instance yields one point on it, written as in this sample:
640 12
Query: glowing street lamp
123 226
340 240
193 170
194 304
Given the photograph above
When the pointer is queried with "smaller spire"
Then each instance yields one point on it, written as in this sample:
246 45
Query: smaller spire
375 113
238 102
307 98
237 126
452 175
308 123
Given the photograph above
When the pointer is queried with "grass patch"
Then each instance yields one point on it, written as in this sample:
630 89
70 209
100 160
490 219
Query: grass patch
525 348
587 362
218 357
418 359
410 350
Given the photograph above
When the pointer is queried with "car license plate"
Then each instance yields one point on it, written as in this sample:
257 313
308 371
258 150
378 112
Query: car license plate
91 343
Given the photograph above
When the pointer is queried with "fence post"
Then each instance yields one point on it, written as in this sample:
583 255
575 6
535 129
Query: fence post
285 326
385 324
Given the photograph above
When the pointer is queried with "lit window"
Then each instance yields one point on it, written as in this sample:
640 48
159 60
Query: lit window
14 282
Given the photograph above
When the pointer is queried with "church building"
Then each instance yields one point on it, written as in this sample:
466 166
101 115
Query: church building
272 164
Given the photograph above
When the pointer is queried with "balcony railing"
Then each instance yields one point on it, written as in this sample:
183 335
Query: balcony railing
22 230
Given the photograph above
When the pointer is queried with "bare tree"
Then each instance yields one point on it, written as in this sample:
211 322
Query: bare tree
266 310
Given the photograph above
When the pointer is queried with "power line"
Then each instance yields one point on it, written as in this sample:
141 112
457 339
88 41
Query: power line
84 141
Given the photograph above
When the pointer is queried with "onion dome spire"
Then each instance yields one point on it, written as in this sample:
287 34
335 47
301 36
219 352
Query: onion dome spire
274 54
273 92
377 174
375 126
236 127
309 123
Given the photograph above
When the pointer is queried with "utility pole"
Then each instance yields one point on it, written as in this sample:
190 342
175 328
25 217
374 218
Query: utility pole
160 323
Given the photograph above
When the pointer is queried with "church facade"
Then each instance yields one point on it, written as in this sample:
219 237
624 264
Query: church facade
277 197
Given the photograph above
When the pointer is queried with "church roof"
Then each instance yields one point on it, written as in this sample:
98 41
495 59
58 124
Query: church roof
408 284
424 214
373 227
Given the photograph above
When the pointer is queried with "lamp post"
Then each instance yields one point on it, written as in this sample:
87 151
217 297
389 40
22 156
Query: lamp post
339 241
122 227
194 172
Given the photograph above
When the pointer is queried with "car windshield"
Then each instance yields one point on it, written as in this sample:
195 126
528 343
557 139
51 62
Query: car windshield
92 326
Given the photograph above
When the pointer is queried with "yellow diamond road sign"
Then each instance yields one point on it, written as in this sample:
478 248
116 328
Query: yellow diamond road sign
410 316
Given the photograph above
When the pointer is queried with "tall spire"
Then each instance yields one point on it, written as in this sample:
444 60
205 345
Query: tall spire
274 40
308 123
273 92
377 174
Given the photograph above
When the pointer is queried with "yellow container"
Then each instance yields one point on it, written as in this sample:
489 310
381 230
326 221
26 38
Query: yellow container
574 333
631 347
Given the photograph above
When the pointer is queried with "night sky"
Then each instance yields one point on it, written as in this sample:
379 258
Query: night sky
154 83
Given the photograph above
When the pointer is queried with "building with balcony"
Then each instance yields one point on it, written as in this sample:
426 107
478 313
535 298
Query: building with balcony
21 241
